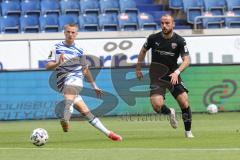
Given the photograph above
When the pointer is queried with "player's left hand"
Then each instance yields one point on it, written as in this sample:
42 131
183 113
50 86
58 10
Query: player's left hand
98 92
174 78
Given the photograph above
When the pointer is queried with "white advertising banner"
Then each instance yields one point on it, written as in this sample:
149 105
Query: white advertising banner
117 52
14 55
104 51
214 49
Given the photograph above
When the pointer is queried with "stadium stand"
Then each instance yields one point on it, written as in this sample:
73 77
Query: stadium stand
128 21
233 5
88 22
49 23
232 22
66 19
146 22
109 6
175 4
30 7
89 6
70 7
9 24
193 8
108 22
29 24
128 6
10 8
50 7
184 11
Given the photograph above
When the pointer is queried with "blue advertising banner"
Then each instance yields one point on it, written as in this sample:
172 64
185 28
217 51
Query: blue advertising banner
32 94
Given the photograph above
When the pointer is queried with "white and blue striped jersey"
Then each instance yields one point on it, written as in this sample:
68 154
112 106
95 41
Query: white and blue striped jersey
70 71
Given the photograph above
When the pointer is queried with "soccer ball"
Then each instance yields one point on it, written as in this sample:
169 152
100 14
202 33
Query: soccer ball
39 137
212 108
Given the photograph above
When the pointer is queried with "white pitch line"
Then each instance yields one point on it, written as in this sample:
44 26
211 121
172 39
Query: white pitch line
127 149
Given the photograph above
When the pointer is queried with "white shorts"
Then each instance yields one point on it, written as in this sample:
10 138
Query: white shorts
77 84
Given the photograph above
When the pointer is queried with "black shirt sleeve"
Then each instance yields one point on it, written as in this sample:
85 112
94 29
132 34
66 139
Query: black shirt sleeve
183 48
148 44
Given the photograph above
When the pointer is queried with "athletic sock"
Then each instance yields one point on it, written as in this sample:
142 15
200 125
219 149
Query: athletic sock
67 110
94 121
187 118
165 110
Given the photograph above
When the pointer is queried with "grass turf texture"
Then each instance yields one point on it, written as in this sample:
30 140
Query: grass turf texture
216 137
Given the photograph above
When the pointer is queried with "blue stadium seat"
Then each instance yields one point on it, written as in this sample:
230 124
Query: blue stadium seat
158 14
193 8
11 0
128 6
146 22
212 22
232 22
214 5
66 19
10 8
175 4
70 7
109 6
30 7
108 22
49 23
181 23
88 22
149 7
128 21
50 7
29 24
144 1
233 5
9 24
89 6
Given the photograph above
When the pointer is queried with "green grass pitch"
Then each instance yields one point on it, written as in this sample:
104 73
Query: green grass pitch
217 137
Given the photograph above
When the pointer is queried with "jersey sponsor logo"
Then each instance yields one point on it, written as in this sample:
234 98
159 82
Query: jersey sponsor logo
164 53
174 45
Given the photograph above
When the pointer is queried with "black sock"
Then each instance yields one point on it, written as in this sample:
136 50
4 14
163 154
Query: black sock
187 118
165 110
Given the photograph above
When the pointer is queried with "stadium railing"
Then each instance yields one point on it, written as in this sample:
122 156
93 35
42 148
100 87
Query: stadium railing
197 18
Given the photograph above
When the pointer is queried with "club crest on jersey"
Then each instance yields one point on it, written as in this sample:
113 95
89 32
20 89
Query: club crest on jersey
174 45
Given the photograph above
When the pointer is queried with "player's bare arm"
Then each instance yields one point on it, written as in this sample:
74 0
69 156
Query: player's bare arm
141 57
54 65
181 68
90 79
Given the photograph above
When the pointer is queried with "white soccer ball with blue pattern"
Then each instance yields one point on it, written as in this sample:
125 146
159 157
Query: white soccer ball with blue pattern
39 137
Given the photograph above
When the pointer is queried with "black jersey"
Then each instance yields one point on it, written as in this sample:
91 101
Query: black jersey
166 51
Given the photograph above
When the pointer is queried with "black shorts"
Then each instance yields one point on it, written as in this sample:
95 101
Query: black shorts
160 87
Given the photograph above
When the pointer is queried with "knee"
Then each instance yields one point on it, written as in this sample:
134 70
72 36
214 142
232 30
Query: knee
184 104
157 107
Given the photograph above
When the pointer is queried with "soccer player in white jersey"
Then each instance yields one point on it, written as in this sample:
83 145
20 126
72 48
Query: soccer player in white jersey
69 61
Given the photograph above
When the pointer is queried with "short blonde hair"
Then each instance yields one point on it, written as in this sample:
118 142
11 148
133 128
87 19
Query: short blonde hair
71 25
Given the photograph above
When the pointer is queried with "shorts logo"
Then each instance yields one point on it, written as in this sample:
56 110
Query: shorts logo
174 45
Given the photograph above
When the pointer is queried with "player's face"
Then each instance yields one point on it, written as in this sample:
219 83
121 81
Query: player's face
167 24
70 34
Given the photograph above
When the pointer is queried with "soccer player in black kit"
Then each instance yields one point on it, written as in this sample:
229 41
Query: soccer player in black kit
164 72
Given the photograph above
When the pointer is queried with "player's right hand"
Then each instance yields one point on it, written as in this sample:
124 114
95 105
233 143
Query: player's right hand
61 59
139 74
